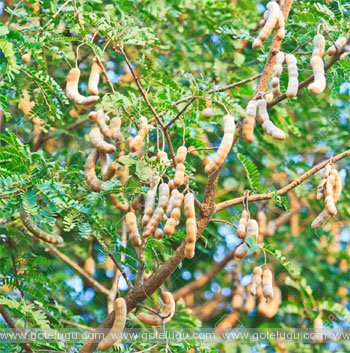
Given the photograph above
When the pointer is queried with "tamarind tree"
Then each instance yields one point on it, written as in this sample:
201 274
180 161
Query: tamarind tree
148 152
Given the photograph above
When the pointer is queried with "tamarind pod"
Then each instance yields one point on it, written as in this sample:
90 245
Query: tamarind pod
169 310
154 181
189 208
275 84
153 222
242 226
241 252
207 113
274 13
267 287
92 116
252 228
102 119
164 192
270 309
337 184
293 83
249 304
104 162
339 43
26 57
176 214
96 139
319 83
192 150
94 77
281 27
329 200
320 220
122 205
261 114
170 226
123 174
90 172
158 234
179 177
171 184
249 121
111 170
237 299
120 312
225 145
36 231
150 319
136 143
191 234
256 280
150 201
181 154
173 196
163 157
320 189
319 45
273 130
131 226
72 89
269 97
89 266
262 222
114 128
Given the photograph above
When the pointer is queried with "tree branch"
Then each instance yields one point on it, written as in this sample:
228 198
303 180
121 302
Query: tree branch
205 278
285 189
99 287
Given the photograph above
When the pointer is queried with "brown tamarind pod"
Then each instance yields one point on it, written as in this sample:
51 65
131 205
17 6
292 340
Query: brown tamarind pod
319 83
242 226
102 119
36 231
323 181
96 139
273 130
339 43
159 233
337 184
249 304
94 77
262 222
104 162
252 228
123 174
191 225
92 116
157 216
207 113
241 252
249 121
72 89
163 157
276 74
179 177
274 12
181 154
267 286
321 219
173 196
120 203
150 201
114 336
192 151
262 114
90 172
269 309
167 312
111 171
131 226
256 280
293 83
136 143
26 57
225 145
189 208
114 128
238 299
329 199
89 266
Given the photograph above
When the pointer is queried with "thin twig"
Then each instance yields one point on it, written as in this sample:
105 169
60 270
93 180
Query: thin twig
286 188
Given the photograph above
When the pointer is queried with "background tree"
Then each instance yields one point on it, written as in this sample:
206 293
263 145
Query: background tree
168 61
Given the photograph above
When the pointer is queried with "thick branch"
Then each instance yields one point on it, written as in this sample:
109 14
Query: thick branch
99 287
201 281
274 49
285 189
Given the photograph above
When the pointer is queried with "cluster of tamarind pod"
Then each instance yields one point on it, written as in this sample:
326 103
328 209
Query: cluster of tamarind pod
261 290
329 188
